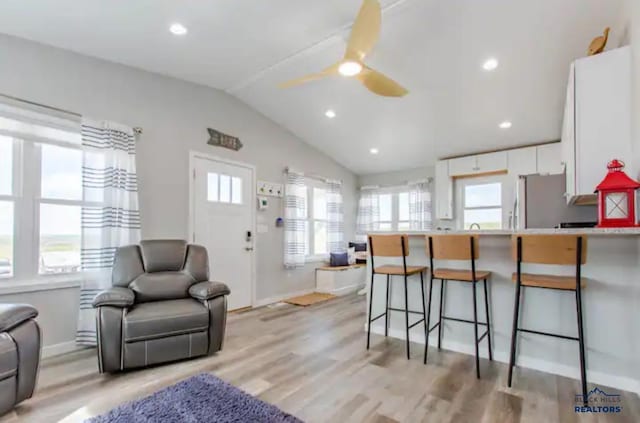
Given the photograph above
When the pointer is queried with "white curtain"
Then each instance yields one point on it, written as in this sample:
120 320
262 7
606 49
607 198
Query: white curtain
295 215
420 207
112 217
335 217
368 219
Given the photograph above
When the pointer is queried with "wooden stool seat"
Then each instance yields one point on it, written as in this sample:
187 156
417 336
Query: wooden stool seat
399 270
567 283
460 274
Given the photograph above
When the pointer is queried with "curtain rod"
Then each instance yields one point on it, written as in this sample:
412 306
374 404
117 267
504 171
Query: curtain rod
137 129
404 184
312 176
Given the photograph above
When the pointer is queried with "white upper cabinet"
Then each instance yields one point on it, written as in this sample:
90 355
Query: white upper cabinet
597 124
443 191
549 158
477 164
522 161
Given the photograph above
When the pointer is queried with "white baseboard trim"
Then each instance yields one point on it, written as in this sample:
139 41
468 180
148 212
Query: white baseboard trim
277 298
596 377
58 349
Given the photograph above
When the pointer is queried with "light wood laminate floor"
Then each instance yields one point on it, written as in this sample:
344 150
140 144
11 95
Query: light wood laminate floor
312 362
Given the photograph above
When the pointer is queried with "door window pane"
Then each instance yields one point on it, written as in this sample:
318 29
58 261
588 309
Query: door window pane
6 165
385 201
486 218
61 173
225 189
6 239
236 190
320 238
59 239
212 186
319 204
485 195
403 206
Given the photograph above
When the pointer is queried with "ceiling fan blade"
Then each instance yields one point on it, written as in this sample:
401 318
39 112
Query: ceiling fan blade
380 84
365 31
331 70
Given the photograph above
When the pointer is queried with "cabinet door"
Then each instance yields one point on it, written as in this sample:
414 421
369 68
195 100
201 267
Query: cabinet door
568 142
463 166
491 162
443 191
522 161
603 116
550 159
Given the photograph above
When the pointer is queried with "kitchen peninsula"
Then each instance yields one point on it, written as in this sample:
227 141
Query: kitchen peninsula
611 304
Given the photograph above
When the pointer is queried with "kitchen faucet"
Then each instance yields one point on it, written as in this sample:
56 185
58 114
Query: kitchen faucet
476 224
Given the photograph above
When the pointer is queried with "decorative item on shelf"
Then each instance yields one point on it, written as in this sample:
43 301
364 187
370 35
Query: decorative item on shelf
617 198
219 139
272 189
279 222
599 43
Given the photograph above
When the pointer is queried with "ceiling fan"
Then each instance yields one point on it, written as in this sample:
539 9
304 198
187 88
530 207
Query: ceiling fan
364 36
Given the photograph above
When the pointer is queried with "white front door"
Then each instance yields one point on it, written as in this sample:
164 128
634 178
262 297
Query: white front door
223 221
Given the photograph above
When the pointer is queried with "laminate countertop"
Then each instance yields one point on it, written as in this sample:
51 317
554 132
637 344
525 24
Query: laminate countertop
533 231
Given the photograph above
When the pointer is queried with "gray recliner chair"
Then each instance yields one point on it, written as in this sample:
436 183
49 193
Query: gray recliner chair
161 307
20 341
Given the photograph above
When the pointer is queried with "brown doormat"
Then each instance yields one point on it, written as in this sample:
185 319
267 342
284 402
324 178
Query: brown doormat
309 299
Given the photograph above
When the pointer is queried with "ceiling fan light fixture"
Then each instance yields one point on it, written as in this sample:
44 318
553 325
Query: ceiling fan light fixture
350 68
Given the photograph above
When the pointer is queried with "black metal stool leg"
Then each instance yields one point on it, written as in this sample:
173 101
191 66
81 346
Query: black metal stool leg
486 308
370 310
514 332
443 284
426 340
386 316
424 311
583 370
475 328
406 314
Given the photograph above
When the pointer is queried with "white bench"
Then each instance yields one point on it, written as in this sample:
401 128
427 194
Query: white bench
340 280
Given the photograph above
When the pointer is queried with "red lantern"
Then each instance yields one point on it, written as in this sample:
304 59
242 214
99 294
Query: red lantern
617 198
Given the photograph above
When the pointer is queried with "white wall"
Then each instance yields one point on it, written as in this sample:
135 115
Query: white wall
174 115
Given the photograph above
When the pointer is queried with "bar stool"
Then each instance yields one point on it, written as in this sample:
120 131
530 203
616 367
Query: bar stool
549 249
457 247
394 246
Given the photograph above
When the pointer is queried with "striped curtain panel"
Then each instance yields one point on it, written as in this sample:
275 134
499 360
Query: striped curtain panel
295 215
368 214
111 217
420 207
335 217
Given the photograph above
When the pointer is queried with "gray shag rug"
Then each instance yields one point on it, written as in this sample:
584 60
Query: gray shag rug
202 398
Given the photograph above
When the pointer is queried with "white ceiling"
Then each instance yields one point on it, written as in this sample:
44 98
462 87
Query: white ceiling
433 47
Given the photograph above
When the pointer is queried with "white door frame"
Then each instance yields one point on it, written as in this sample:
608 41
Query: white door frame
193 155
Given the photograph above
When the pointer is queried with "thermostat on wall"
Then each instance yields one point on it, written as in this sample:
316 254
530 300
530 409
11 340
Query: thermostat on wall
263 203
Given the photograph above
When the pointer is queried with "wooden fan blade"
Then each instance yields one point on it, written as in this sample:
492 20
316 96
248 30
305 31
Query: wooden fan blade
365 31
381 84
331 70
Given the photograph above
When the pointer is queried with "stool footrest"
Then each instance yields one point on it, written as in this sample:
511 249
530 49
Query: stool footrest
376 318
434 326
555 335
403 310
418 322
483 336
455 319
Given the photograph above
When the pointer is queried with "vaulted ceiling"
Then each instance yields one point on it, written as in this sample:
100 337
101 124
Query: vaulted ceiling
433 47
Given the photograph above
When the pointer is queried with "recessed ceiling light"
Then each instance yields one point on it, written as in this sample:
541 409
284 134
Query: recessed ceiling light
505 125
490 64
330 114
178 29
374 151
350 68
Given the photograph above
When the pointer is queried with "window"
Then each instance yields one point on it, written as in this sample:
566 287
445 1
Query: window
394 211
223 188
385 203
482 205
41 193
316 225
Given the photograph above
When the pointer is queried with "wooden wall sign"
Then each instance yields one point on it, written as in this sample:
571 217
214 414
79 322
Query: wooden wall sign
220 139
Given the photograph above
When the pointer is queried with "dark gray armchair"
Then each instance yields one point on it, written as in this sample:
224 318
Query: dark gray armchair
161 307
20 342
